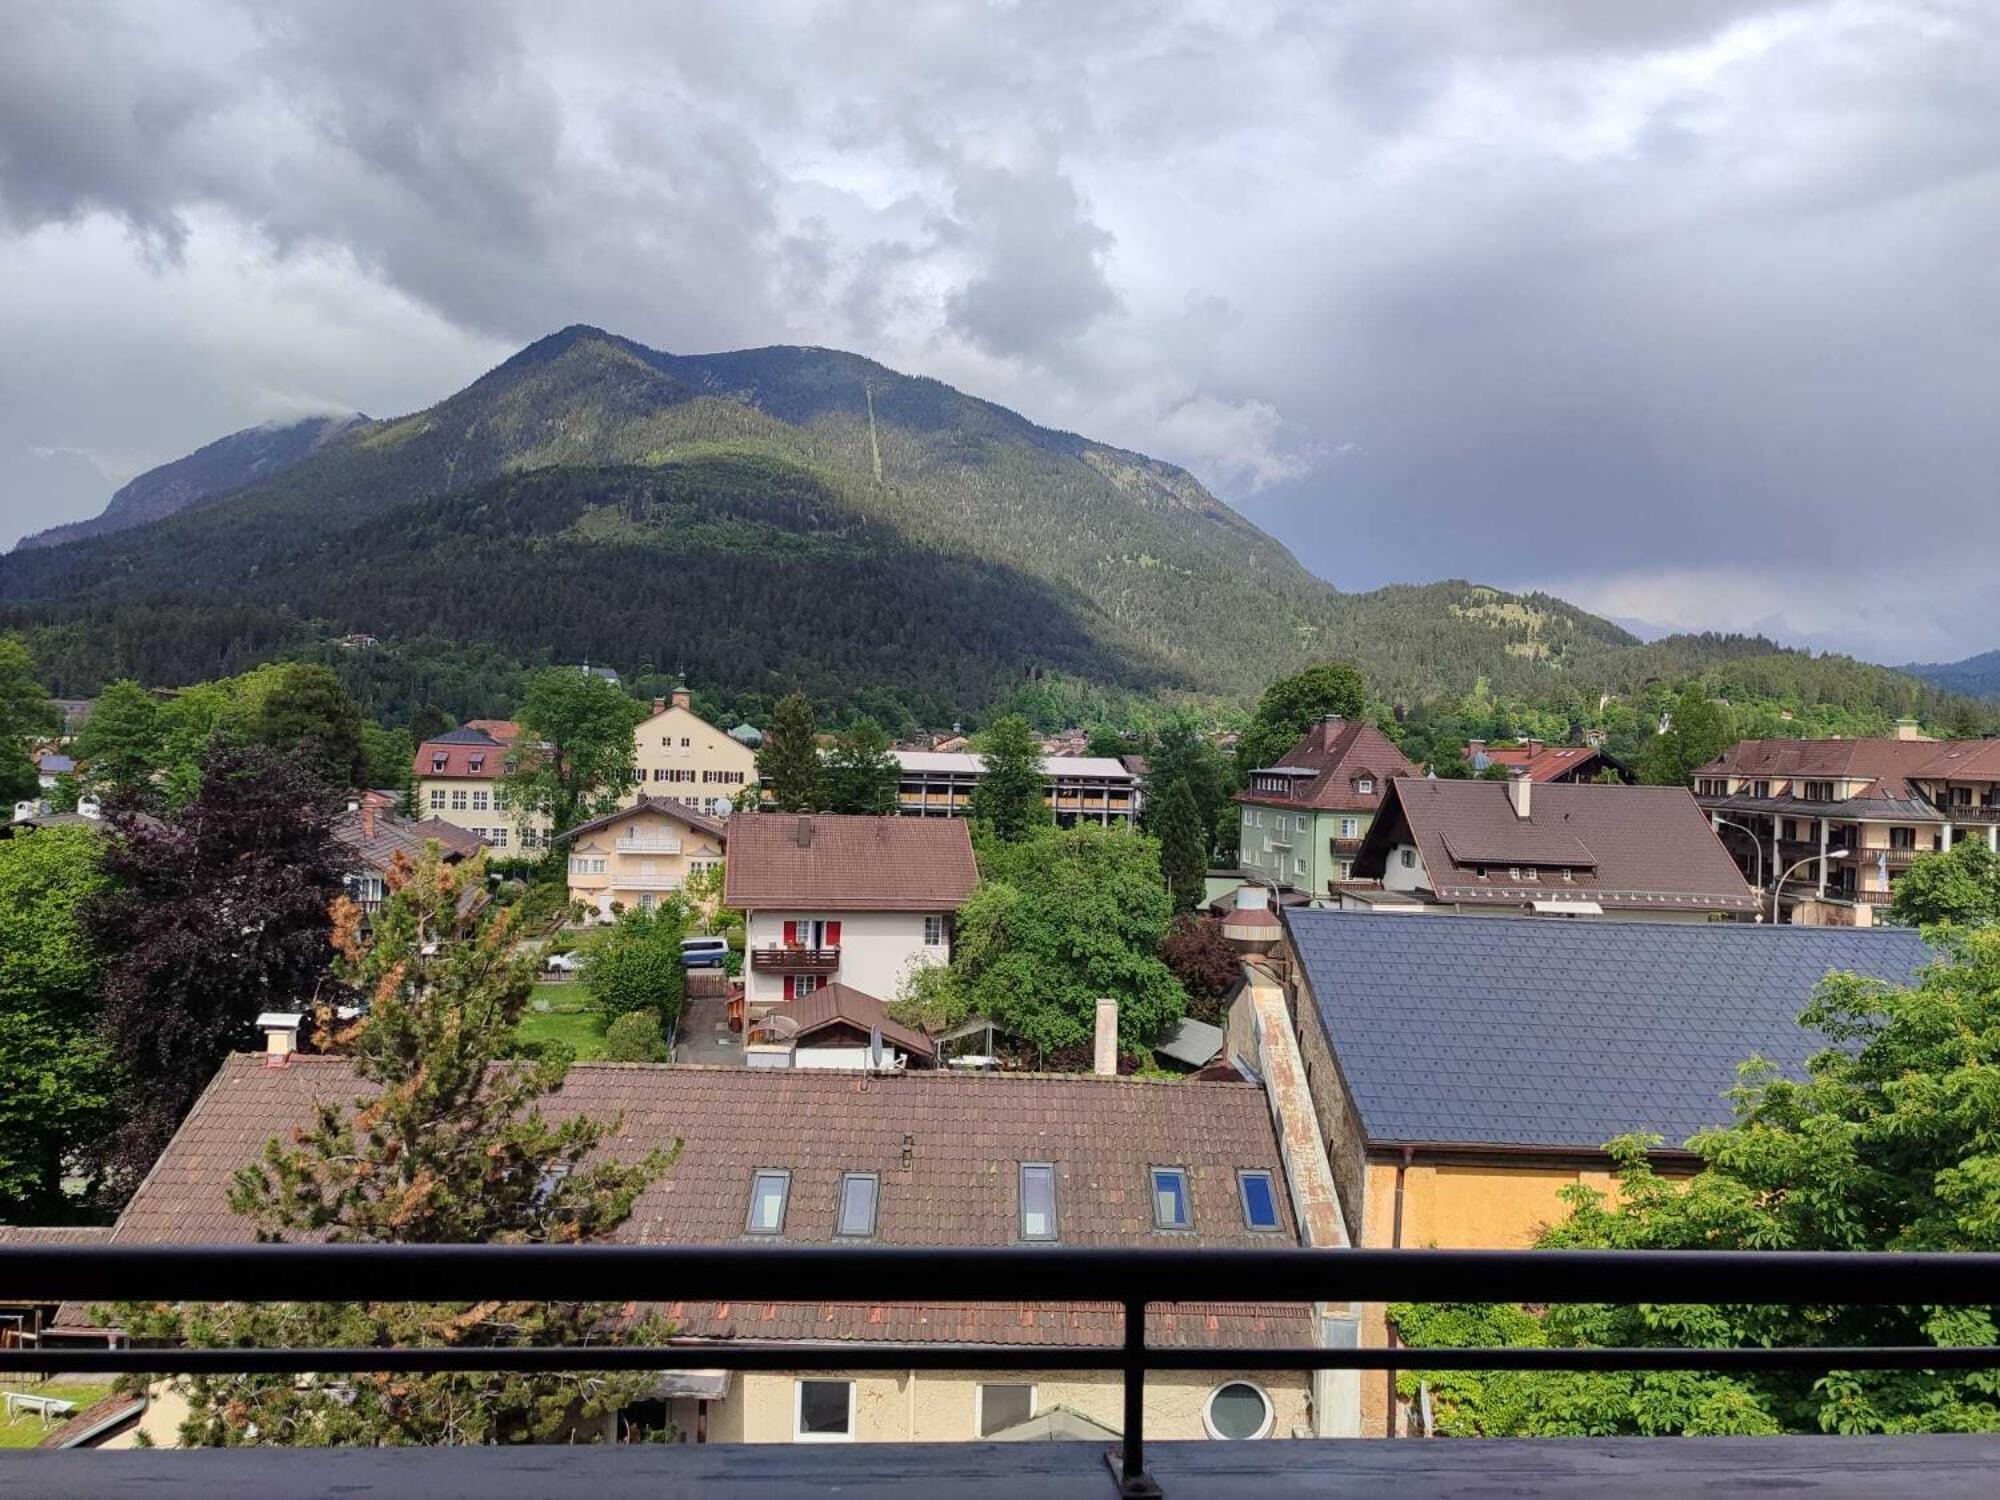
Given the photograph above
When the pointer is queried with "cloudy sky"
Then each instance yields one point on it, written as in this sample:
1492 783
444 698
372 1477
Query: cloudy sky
1685 309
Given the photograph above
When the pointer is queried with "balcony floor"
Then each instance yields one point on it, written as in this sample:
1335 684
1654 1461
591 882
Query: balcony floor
1827 1468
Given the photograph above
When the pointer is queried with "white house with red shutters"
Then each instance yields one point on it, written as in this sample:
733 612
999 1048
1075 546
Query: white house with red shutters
829 897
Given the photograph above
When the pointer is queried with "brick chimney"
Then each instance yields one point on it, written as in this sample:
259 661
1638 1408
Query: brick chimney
367 818
1105 1061
1520 791
681 697
659 705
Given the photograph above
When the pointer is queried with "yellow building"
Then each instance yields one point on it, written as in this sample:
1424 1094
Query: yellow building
458 780
635 856
1465 1073
680 756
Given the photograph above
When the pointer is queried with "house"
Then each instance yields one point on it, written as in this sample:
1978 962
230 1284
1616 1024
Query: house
1557 849
1545 763
837 1026
51 765
680 756
637 854
1464 1073
375 836
1081 788
1303 819
458 781
831 897
1838 821
921 1159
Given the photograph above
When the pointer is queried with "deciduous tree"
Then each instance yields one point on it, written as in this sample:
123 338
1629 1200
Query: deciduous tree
636 966
574 757
306 712
1291 704
1960 885
1010 800
120 744
859 774
1202 960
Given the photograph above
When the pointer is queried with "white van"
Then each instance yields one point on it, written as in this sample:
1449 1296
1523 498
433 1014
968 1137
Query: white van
704 952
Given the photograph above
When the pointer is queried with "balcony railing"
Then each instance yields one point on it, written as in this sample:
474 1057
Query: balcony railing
1133 1280
631 844
786 959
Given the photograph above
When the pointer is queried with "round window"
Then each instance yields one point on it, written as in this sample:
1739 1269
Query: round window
1237 1411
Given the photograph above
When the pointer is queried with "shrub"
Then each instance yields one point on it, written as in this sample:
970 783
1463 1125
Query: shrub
635 1037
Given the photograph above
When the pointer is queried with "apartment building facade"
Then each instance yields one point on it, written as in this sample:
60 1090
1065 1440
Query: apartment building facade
459 780
681 757
1081 788
1303 819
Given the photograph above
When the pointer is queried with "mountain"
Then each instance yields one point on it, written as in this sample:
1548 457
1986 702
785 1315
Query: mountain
229 463
1976 676
771 519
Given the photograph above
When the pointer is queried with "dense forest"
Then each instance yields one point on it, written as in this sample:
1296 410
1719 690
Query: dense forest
787 518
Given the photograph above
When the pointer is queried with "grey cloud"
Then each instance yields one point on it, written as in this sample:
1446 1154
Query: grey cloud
1040 281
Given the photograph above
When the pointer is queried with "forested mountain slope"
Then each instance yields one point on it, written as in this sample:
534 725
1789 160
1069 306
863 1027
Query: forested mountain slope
769 518
1978 675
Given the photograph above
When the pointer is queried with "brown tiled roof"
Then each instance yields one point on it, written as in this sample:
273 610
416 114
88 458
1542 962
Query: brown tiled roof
1633 848
956 1186
1336 751
1963 760
99 1419
1543 762
835 862
506 731
667 807
375 836
832 1004
1888 765
479 750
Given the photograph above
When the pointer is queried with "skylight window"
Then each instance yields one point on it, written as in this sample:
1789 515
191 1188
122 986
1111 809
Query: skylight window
1038 1201
1260 1199
768 1192
859 1192
1170 1199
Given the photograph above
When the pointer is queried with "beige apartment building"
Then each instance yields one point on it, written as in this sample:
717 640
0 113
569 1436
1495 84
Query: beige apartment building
458 780
640 854
680 756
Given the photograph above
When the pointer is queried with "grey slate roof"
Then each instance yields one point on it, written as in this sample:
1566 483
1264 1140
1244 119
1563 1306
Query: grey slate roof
1528 1031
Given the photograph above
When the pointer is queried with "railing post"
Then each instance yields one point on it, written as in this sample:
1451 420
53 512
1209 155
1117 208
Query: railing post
1133 1481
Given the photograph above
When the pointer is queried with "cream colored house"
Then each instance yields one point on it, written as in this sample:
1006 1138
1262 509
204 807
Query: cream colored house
458 781
680 756
638 854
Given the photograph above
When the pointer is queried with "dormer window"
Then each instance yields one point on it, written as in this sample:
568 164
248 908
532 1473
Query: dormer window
440 760
477 761
1365 785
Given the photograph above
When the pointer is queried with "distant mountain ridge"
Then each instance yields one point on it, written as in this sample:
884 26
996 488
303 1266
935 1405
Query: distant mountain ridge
1976 676
770 519
228 463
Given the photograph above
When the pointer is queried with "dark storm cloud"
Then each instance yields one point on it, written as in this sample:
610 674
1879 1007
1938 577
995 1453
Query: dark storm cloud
1682 306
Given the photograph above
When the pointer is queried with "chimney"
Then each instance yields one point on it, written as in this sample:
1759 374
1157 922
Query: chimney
659 705
1473 747
368 820
1105 1064
1907 729
682 697
281 1035
1520 791
803 834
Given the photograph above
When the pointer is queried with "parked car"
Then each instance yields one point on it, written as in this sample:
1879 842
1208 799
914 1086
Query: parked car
565 963
704 952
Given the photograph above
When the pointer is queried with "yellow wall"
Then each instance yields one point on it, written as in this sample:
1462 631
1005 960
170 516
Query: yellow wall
629 874
697 772
939 1407
436 796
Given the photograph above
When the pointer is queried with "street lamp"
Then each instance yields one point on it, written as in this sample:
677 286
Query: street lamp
1780 886
1756 842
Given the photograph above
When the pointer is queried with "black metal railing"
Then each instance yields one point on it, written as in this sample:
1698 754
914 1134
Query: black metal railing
1131 1279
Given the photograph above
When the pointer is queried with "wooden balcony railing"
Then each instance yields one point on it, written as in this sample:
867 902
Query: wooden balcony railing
784 958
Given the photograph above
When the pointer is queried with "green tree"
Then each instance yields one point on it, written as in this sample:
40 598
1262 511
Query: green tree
574 757
859 774
452 1147
1697 731
307 712
1181 752
56 1084
1960 885
1290 706
1011 797
26 714
1183 846
636 966
1105 740
1060 918
1887 1142
390 754
635 1037
789 771
121 743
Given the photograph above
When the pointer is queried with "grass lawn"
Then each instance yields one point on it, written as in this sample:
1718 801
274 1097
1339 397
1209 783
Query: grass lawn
569 1017
27 1429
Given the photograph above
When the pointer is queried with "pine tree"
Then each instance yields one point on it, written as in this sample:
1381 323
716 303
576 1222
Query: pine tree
452 1148
1183 846
860 774
788 764
1011 797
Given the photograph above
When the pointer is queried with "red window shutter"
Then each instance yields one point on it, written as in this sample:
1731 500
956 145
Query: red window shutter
791 940
791 986
833 934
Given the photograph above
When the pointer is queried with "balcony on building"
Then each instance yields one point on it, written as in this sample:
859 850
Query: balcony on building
791 958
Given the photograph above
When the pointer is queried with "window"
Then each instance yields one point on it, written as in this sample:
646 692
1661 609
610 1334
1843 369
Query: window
825 1412
476 763
439 762
1298 864
1569 875
933 932
1902 838
1350 828
1170 1199
479 801
1818 791
1237 1412
1513 872
803 985
437 801
1038 1201
858 1194
1260 1199
1002 1406
458 802
497 837
768 1192
1530 873
685 742
499 800
1407 857
1299 823
1365 786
